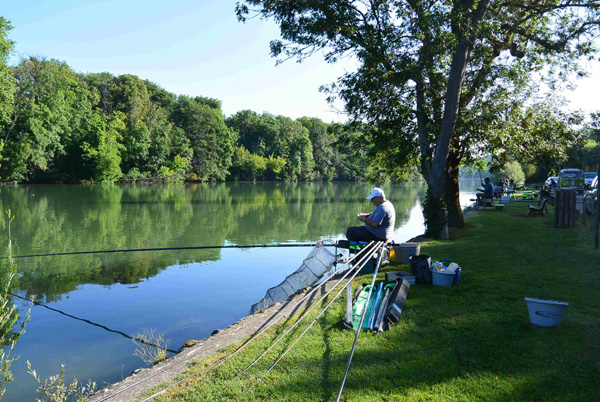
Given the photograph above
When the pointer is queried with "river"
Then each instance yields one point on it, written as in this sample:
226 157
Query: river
96 299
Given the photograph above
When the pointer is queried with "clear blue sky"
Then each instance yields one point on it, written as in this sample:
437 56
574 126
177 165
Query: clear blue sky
192 47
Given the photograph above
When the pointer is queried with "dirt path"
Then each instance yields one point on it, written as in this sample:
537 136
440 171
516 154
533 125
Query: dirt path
140 383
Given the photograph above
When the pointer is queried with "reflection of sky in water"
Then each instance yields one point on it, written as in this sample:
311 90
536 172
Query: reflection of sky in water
468 188
189 293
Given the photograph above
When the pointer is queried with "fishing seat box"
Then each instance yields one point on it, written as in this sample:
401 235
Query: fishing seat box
395 306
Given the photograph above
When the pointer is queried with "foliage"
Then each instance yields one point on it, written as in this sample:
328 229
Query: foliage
7 87
248 166
9 316
210 139
150 346
433 77
322 141
61 126
512 171
589 150
54 388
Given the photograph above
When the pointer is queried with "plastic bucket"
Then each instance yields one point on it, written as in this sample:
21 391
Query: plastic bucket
442 278
545 313
456 278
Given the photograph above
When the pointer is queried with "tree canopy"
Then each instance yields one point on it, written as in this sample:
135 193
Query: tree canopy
431 72
62 126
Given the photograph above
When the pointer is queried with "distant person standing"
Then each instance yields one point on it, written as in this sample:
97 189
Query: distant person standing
379 225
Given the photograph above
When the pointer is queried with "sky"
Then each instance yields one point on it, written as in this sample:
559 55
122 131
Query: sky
191 47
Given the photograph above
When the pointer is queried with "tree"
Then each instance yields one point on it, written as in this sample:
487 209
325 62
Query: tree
211 140
293 144
7 86
322 146
50 103
426 67
513 171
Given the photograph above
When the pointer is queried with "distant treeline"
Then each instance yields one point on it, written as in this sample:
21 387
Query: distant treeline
64 126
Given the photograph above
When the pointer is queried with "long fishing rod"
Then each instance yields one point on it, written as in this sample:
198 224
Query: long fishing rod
362 318
218 363
175 248
133 338
317 318
364 258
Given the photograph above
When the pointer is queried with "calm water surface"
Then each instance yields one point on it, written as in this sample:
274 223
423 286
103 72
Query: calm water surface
182 294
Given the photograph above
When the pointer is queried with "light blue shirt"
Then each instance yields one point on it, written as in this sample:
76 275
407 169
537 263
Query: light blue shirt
385 215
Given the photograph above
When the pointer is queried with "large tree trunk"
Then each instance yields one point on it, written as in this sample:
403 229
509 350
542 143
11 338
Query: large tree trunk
437 179
455 215
458 67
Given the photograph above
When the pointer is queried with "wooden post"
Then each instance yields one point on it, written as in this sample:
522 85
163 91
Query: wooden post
565 208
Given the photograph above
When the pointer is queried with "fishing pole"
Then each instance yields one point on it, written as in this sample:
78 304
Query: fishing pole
133 338
175 248
364 258
218 363
362 318
358 269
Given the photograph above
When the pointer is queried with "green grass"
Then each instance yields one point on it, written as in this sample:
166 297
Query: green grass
471 342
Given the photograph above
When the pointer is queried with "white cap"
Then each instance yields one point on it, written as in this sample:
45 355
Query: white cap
376 192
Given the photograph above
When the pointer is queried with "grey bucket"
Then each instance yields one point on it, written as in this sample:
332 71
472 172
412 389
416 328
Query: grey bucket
405 250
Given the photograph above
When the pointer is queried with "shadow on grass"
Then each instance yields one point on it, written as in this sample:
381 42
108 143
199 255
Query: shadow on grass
467 342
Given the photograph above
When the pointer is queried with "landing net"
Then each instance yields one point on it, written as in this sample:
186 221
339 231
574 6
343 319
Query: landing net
318 262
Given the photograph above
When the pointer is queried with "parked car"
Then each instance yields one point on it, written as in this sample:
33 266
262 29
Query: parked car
589 178
571 179
590 198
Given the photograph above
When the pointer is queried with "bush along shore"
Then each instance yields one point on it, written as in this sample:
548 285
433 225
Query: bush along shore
472 341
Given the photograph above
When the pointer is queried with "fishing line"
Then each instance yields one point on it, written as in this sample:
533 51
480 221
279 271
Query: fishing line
362 318
175 248
316 319
358 266
133 338
218 363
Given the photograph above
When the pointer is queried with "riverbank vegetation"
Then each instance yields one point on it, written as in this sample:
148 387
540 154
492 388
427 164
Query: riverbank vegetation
61 126
470 342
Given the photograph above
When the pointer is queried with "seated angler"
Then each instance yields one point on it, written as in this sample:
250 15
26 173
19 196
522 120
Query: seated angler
488 191
379 225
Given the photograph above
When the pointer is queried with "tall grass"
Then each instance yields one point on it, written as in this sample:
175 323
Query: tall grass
151 346
9 317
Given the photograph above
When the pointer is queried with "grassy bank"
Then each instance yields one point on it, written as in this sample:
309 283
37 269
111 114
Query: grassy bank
468 342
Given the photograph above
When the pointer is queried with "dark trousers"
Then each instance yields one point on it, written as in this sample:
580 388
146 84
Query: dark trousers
360 233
